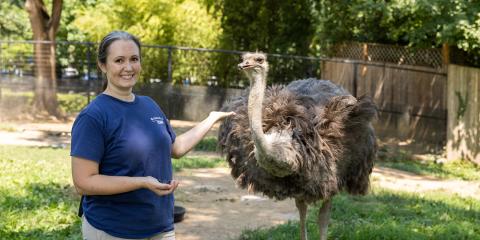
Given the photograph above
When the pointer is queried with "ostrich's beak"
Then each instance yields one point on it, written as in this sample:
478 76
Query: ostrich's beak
242 66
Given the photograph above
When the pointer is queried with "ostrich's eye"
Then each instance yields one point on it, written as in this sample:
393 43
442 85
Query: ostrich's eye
259 60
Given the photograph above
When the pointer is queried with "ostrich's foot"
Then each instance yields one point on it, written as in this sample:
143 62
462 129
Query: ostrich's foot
302 210
324 217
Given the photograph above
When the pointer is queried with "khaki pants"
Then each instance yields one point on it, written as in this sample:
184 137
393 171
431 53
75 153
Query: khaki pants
91 233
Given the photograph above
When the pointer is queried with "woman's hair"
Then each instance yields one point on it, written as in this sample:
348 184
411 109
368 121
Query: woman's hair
105 44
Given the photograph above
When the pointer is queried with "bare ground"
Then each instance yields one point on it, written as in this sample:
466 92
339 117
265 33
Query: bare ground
216 208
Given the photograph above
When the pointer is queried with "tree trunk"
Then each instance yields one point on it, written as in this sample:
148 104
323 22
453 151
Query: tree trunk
44 30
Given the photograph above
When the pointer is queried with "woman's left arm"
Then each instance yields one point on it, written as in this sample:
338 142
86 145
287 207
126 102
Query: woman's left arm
185 142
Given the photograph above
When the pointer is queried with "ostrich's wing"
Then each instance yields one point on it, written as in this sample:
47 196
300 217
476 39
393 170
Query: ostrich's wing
234 133
349 120
321 91
362 145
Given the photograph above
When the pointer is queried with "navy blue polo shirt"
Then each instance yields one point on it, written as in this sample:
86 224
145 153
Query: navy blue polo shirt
126 139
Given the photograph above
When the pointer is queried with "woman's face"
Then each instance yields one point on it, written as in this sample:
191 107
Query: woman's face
123 65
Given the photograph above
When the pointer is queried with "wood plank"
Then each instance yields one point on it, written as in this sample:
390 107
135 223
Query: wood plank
463 130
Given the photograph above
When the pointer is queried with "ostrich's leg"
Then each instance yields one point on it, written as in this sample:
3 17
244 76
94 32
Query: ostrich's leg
324 217
302 210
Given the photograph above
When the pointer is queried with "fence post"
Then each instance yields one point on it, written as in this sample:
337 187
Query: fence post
1 64
89 85
445 55
365 52
170 64
355 78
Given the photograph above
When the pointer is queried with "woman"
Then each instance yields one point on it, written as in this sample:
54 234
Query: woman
122 146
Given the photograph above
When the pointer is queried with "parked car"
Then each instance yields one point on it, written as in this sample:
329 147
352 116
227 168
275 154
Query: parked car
70 72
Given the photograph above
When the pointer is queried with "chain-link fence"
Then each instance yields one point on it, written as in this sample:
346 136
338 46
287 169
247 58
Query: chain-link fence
389 53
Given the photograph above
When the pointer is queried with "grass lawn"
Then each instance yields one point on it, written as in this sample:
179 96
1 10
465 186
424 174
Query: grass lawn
389 215
37 197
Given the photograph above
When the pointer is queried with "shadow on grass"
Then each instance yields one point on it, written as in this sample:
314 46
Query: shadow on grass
389 215
71 231
40 195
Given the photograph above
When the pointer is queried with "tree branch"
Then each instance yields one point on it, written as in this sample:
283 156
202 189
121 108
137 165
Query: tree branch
37 13
54 22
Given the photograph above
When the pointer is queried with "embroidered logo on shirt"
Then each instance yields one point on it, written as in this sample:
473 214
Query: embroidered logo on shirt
158 120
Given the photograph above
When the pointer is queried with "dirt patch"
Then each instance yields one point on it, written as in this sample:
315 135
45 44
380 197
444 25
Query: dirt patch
216 209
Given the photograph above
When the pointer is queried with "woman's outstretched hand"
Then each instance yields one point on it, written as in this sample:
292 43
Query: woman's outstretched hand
220 115
159 188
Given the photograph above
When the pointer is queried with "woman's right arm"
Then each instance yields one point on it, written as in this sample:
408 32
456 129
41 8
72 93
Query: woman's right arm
88 181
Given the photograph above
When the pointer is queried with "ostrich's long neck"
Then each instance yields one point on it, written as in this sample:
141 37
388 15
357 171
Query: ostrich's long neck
255 105
278 157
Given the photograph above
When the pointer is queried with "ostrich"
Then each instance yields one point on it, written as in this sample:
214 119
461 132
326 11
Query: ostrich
307 141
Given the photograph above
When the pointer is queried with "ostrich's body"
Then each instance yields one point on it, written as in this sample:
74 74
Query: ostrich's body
308 141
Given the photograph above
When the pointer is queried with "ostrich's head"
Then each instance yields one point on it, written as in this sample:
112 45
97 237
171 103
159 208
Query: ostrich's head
254 65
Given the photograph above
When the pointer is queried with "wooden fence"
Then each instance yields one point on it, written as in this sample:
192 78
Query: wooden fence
464 113
412 101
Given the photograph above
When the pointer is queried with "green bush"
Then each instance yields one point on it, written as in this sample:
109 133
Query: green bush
207 144
72 103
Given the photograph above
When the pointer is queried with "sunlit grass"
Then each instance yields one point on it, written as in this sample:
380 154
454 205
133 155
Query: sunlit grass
459 169
198 162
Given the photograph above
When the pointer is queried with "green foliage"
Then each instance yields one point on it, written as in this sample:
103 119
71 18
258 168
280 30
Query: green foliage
73 102
385 214
420 23
284 27
14 22
272 26
155 22
182 23
68 30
